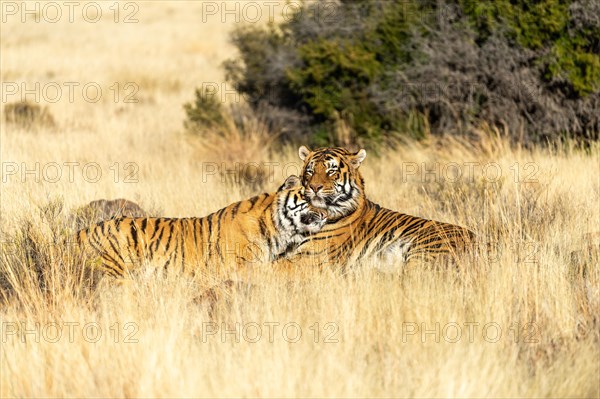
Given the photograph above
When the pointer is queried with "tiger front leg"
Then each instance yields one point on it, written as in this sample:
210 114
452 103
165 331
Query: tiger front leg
393 258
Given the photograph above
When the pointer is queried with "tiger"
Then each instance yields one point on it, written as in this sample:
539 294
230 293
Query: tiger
255 230
358 229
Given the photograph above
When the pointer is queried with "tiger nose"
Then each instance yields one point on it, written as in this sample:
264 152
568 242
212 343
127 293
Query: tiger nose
316 187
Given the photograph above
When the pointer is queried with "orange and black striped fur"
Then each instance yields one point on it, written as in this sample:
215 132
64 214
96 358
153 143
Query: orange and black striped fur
358 229
259 229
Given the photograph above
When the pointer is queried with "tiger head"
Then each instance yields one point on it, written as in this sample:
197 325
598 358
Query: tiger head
332 180
295 213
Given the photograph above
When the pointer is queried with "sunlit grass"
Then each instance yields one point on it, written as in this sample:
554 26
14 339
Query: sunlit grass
522 321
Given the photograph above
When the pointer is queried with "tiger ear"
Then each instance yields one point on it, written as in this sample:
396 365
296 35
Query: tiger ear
289 183
356 159
303 152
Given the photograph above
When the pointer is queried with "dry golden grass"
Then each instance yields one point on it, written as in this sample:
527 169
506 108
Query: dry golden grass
153 338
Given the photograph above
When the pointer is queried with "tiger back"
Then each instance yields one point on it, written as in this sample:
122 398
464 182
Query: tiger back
248 232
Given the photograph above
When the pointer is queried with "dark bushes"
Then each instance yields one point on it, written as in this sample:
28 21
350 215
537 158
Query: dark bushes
28 115
381 69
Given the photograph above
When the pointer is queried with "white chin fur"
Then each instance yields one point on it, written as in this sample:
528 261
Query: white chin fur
318 202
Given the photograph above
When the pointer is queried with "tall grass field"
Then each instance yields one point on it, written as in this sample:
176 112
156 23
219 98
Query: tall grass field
522 320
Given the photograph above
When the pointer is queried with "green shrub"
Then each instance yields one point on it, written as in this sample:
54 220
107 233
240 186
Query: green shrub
384 69
206 112
568 50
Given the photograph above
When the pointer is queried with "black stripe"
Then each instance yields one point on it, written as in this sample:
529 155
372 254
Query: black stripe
134 235
103 255
234 210
161 232
156 231
112 244
209 225
325 237
263 228
218 237
253 201
170 237
219 219
182 246
195 230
